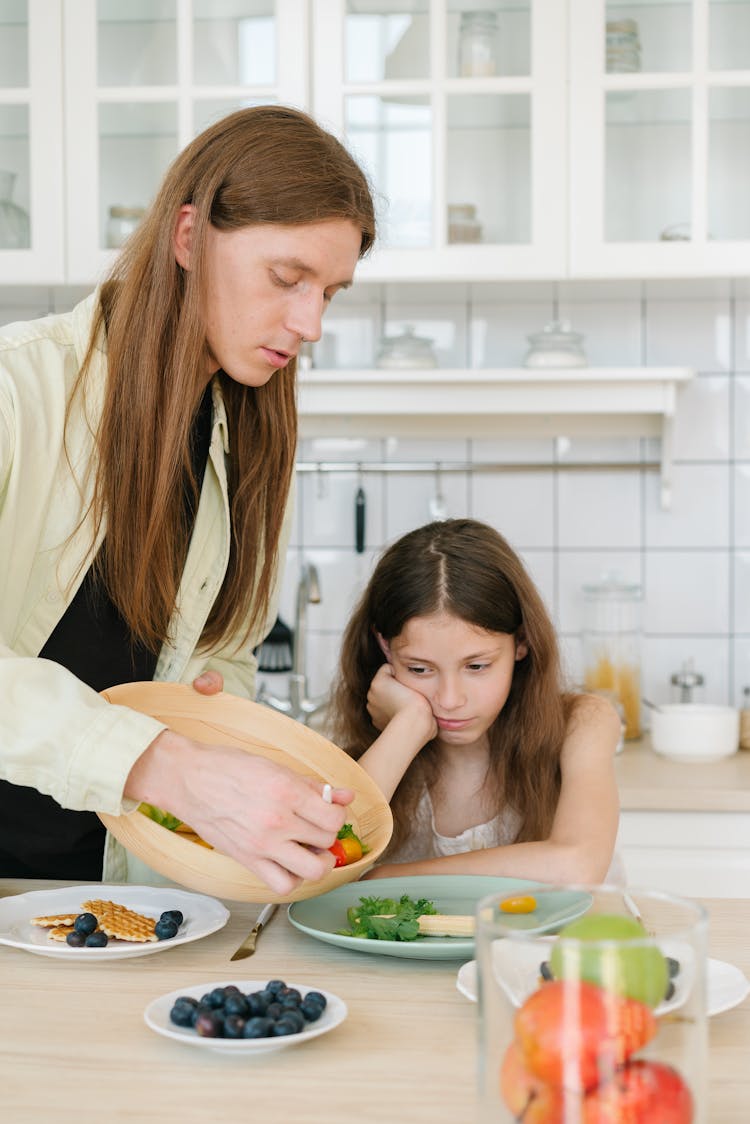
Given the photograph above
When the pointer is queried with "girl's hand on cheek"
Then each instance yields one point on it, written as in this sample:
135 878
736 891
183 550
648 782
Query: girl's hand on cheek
387 697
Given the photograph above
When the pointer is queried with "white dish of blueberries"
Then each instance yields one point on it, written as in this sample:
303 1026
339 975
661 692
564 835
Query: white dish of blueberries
245 1016
201 915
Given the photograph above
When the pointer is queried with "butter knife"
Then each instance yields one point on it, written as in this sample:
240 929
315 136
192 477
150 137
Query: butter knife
247 948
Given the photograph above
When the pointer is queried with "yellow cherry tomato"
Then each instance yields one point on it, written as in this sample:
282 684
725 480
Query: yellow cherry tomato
523 903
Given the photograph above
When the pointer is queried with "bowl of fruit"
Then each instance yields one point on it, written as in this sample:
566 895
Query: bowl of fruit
173 849
600 1034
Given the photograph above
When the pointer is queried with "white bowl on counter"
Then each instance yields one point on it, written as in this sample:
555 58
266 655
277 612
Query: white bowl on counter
695 732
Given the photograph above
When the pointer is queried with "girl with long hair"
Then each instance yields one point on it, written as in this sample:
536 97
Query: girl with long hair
147 444
449 695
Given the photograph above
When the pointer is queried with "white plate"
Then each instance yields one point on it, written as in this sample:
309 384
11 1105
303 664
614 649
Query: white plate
202 915
157 1017
726 986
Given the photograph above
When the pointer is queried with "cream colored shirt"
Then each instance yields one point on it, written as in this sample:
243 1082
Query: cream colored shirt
56 734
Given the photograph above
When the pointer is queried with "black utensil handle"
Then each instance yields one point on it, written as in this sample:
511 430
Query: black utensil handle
359 521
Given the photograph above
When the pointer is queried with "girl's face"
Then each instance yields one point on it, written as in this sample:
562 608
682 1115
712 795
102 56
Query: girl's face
463 671
268 286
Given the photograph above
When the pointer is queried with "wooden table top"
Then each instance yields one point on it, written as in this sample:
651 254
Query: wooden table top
74 1044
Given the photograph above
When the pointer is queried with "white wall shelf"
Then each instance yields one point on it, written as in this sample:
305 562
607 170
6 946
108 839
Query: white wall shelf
594 402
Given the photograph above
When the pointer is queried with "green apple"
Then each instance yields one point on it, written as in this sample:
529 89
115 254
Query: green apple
614 952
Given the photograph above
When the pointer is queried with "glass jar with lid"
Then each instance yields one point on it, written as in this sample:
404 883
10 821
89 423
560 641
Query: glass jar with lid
406 350
612 646
477 44
121 224
557 345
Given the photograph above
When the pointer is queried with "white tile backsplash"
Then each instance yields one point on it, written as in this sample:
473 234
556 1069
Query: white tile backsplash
692 333
698 515
519 504
687 592
600 509
570 527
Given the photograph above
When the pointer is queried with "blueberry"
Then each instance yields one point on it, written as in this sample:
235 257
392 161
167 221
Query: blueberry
670 990
234 1026
310 1011
209 1025
216 997
288 996
295 1018
316 997
673 966
172 915
545 971
85 923
75 939
274 1011
274 986
182 1015
97 939
257 1004
258 1028
284 1026
236 1005
165 930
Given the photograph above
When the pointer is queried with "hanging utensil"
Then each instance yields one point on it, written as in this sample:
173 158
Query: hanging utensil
437 505
360 513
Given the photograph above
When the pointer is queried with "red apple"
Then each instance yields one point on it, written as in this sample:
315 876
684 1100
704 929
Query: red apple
640 1093
576 1034
528 1098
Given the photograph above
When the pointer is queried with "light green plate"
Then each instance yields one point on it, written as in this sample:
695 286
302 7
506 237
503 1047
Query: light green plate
321 917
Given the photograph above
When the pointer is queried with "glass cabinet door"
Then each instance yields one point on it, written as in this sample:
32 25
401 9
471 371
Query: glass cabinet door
31 240
660 126
456 109
143 78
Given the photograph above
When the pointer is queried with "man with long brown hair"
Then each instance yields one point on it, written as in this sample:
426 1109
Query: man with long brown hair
147 444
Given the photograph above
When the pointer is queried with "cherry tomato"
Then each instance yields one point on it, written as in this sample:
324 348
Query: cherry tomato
523 903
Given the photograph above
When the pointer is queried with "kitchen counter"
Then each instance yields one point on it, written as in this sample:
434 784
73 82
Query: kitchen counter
74 1043
649 782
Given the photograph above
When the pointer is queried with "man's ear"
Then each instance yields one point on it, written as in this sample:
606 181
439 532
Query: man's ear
384 645
183 235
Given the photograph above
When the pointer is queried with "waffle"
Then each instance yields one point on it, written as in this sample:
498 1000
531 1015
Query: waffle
55 919
60 932
120 922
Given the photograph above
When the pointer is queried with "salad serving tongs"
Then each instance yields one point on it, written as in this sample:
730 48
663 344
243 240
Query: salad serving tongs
247 948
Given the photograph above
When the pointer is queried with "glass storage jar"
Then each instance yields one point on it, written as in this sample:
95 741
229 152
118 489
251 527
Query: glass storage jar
623 47
406 350
477 44
463 224
556 346
612 646
121 224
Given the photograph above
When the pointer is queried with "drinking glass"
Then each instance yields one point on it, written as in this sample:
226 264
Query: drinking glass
605 1024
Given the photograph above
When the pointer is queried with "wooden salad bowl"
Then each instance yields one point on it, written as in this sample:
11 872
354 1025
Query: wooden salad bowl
229 720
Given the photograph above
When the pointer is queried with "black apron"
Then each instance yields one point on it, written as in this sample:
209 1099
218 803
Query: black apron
38 837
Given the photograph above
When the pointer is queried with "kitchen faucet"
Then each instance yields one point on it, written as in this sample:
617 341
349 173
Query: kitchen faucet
299 705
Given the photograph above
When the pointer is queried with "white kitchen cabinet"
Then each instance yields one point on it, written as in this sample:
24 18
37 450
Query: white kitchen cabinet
31 160
143 77
699 854
468 158
552 160
660 138
98 96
